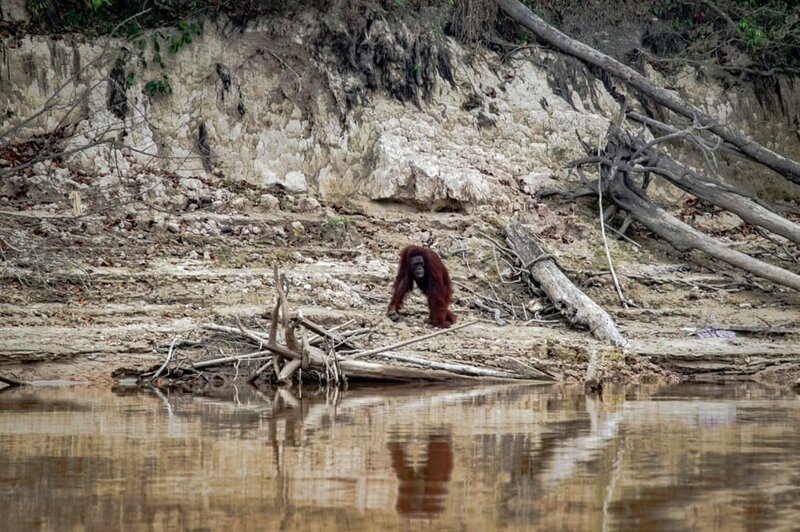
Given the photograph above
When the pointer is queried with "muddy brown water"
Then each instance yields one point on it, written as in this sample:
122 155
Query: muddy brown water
683 457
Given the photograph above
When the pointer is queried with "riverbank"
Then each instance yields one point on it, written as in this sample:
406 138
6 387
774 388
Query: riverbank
111 293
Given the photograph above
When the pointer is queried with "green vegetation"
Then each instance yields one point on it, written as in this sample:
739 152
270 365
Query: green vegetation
161 86
337 220
752 32
751 37
173 40
760 37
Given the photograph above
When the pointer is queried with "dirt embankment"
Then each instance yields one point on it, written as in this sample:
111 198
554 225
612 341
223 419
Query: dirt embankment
82 296
164 247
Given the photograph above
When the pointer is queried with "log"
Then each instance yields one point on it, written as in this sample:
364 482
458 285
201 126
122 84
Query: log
671 100
11 381
337 339
745 207
684 237
467 369
353 368
288 370
411 340
577 307
227 360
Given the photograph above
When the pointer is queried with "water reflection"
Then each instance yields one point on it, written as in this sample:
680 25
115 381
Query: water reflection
499 457
422 490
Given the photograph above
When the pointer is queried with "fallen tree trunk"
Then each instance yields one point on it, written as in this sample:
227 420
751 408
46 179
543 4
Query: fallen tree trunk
683 237
467 369
573 304
524 16
11 381
746 207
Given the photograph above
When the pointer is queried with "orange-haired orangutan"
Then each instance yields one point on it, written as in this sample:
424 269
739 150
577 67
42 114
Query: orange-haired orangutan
424 267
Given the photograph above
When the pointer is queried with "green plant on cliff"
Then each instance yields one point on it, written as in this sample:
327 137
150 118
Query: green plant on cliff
757 37
160 86
173 40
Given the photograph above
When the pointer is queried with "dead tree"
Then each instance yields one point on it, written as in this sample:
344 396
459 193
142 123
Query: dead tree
524 16
623 159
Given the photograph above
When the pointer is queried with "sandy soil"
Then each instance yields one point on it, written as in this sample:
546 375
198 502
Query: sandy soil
81 297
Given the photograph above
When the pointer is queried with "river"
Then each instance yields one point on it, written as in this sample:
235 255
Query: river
510 457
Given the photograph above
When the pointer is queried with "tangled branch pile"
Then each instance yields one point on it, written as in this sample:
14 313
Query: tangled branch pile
329 355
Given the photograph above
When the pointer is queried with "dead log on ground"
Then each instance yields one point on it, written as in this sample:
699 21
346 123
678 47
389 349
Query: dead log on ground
573 304
683 237
12 382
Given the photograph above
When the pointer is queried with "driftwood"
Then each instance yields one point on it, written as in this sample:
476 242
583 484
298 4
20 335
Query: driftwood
465 369
323 333
232 359
320 355
362 369
573 304
11 381
524 16
592 383
166 361
683 237
411 341
747 207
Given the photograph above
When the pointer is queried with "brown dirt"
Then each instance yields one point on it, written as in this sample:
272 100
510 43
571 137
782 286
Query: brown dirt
142 287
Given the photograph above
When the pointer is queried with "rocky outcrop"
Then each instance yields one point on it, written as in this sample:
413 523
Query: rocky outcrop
273 103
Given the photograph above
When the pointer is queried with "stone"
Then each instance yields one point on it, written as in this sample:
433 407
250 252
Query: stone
308 204
268 202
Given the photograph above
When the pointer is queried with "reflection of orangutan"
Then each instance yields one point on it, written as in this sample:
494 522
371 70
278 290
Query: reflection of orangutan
423 266
422 492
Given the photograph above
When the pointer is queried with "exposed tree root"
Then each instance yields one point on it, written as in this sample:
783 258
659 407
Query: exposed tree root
747 207
622 157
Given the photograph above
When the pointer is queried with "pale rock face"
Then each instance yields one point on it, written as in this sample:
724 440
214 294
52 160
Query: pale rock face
405 173
514 141
13 10
295 182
